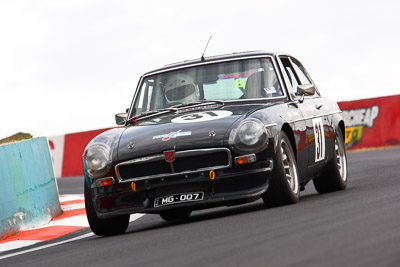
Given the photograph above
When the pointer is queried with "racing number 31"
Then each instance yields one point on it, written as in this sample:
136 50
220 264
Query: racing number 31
200 115
319 139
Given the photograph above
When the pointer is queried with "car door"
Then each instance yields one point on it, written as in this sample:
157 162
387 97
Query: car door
294 115
313 113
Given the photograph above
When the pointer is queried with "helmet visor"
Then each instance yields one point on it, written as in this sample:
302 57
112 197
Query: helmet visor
180 92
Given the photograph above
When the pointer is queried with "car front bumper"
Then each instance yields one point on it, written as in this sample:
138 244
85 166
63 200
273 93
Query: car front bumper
234 185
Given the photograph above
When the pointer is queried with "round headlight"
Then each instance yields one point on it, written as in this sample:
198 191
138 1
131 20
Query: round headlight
249 136
250 132
98 159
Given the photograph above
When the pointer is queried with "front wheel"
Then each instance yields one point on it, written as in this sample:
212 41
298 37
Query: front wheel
284 183
334 176
103 227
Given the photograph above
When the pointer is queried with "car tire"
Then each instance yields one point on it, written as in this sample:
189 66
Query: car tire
334 176
175 215
103 227
283 186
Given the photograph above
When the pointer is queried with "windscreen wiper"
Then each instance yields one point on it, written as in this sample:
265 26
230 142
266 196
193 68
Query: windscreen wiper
198 103
182 107
150 114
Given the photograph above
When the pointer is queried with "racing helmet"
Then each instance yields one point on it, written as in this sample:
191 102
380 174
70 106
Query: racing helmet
180 88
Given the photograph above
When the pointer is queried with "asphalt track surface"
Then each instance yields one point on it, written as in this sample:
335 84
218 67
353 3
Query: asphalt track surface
356 227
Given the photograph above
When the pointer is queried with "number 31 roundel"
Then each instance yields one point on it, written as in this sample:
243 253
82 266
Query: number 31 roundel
319 139
202 116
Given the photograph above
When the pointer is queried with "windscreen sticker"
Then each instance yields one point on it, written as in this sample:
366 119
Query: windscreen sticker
270 90
244 74
202 116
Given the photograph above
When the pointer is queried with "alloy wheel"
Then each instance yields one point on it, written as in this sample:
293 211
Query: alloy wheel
340 159
289 166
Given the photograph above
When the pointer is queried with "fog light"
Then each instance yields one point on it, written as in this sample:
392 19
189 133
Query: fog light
245 159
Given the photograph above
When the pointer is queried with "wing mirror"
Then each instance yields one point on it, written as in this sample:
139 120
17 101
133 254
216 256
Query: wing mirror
306 89
120 118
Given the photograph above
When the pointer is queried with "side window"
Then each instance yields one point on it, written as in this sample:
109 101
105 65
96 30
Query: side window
290 72
300 72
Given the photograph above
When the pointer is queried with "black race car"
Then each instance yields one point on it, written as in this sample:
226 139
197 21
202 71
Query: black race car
215 131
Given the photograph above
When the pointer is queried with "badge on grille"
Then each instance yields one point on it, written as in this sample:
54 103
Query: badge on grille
169 155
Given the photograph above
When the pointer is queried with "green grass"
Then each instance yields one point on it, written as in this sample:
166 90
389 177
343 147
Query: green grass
15 138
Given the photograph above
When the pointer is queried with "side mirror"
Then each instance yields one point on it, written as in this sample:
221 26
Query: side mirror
120 118
305 89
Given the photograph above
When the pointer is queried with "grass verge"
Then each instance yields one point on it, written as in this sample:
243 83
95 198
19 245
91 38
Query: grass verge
15 138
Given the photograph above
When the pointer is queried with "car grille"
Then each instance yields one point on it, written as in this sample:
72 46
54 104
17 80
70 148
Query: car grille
189 161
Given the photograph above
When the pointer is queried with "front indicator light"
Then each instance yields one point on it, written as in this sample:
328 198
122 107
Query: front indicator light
104 182
245 159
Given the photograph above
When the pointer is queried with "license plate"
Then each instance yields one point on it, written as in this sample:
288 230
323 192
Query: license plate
178 198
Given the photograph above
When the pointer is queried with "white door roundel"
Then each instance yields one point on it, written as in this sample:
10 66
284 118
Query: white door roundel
202 116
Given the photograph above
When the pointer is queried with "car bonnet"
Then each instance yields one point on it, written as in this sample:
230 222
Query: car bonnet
180 131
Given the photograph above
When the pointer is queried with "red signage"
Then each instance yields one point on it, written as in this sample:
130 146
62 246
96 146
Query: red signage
373 122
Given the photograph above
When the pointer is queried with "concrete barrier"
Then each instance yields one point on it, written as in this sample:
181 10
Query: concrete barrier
28 188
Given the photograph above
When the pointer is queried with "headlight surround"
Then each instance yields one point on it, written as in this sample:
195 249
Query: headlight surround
249 136
98 159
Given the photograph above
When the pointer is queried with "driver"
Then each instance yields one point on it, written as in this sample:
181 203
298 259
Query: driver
181 88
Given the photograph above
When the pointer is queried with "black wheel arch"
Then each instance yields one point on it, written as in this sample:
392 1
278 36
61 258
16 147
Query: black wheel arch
342 129
289 132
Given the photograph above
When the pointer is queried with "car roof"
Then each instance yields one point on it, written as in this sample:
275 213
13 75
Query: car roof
214 58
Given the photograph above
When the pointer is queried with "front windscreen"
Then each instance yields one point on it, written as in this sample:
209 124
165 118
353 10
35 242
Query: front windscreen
233 80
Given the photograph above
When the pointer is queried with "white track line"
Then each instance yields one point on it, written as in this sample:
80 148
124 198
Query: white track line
17 244
46 246
131 219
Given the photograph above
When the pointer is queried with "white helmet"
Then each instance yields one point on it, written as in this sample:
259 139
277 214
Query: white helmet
181 88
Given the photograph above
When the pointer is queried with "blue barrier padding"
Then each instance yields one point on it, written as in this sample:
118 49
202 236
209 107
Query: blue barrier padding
28 188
